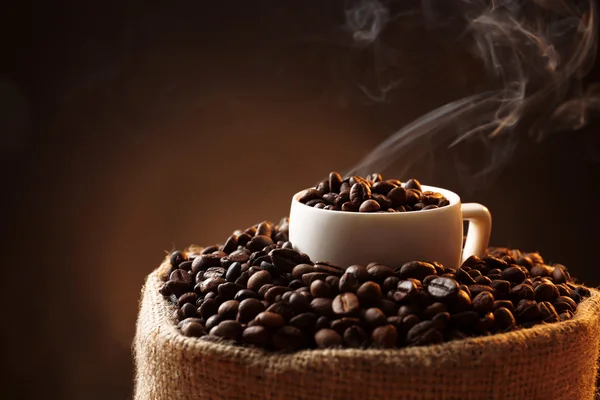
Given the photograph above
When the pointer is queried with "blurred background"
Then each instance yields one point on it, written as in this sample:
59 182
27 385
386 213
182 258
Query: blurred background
132 128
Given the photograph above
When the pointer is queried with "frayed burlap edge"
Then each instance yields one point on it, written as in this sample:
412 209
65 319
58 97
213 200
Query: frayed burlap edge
555 361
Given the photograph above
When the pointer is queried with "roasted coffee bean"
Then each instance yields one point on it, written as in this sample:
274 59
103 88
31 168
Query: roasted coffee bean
359 272
547 312
582 291
560 274
374 317
527 310
262 291
576 297
296 284
209 249
205 261
327 338
275 291
248 309
382 187
483 280
335 182
546 292
229 329
384 336
359 193
405 289
176 258
189 310
429 278
192 328
504 303
434 309
288 338
229 309
210 285
310 277
520 292
189 297
230 244
462 302
178 315
356 337
564 303
186 265
369 206
239 256
390 283
233 272
345 304
464 277
308 195
228 290
244 294
281 309
476 289
340 325
566 315
501 288
348 283
304 321
328 268
258 279
179 282
259 242
474 273
380 272
269 320
416 269
369 292
513 274
322 306
504 318
483 302
322 323
302 269
320 289
443 288
256 335
564 290
300 302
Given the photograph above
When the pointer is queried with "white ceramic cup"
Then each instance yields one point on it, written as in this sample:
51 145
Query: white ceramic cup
392 239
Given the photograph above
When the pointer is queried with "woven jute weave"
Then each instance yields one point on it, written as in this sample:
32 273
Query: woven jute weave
555 361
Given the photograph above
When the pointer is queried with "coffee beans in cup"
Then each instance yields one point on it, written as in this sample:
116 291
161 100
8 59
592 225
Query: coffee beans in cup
371 194
256 290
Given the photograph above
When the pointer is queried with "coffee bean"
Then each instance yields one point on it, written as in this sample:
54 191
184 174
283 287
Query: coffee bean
229 329
189 297
258 242
327 338
513 274
417 269
384 336
304 321
464 277
564 303
248 309
483 280
288 338
356 337
229 309
504 318
322 306
308 195
348 283
390 283
413 184
310 277
474 273
369 292
244 294
582 291
256 335
434 309
369 206
564 290
443 288
269 320
300 302
296 284
275 291
192 328
374 317
176 258
281 309
302 269
233 272
189 310
520 292
335 182
476 289
405 289
205 261
320 289
239 256
179 282
359 272
546 292
527 310
462 302
178 315
259 279
504 303
560 274
547 312
345 304
328 268
382 187
483 302
565 315
228 290
501 288
380 272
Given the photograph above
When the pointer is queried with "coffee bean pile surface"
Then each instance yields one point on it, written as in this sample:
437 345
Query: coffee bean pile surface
371 194
256 290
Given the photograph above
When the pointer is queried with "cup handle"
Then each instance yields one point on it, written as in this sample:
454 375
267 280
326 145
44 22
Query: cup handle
480 228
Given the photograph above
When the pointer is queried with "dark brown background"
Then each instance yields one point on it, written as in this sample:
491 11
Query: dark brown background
129 129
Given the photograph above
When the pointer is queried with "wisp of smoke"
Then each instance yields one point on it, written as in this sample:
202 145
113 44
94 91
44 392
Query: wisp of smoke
537 51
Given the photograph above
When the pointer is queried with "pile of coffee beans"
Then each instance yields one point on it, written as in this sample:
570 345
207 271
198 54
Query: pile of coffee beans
371 194
256 290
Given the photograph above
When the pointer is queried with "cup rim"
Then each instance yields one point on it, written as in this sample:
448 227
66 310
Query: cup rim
452 197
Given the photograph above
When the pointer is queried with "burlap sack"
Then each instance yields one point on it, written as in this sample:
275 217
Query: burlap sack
557 361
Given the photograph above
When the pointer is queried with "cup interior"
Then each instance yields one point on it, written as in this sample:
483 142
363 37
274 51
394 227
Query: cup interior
452 197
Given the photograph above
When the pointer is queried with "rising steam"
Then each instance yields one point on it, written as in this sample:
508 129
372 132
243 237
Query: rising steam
537 51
